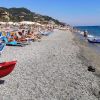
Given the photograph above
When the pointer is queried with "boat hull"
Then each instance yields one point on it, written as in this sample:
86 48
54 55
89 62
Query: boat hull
94 40
6 68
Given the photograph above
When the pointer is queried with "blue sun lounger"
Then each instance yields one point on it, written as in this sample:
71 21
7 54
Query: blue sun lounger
2 45
12 43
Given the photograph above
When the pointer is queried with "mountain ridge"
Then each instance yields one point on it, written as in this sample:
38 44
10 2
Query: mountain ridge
20 14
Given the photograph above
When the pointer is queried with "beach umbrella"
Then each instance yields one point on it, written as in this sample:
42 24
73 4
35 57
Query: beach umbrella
10 23
38 24
2 23
16 23
26 22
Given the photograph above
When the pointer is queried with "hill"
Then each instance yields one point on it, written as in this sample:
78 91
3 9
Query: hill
20 14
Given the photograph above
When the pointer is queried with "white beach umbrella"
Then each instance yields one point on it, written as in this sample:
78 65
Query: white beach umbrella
26 22
10 23
2 23
38 24
16 23
33 22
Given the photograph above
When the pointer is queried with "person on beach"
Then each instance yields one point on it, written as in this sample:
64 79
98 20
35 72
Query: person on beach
85 34
10 39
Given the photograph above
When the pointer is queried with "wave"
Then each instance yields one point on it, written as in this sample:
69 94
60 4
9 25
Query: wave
90 36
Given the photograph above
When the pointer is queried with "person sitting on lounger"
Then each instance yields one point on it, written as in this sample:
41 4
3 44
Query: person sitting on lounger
19 37
11 38
31 35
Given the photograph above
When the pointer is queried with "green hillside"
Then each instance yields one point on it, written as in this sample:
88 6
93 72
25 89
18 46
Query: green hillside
20 14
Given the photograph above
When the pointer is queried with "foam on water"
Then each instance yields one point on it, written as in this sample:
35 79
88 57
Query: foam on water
94 32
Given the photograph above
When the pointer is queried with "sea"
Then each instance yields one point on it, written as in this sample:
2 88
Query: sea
93 31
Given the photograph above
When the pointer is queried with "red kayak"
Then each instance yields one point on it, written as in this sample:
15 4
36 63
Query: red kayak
6 68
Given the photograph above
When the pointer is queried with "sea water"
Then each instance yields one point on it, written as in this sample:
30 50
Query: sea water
93 31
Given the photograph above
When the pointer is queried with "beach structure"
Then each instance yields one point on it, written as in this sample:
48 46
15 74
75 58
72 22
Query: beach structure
27 22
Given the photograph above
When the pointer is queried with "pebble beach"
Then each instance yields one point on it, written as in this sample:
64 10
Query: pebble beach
49 69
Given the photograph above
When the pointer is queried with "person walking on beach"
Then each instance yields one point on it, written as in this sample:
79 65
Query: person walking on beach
85 34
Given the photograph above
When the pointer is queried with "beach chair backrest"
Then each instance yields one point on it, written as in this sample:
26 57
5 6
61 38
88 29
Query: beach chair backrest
8 34
12 33
3 33
0 33
1 46
17 34
4 39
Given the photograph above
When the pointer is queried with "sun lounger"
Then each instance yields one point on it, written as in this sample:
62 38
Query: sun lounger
2 45
12 43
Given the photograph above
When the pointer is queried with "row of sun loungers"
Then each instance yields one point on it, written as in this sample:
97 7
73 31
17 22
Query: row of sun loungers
15 39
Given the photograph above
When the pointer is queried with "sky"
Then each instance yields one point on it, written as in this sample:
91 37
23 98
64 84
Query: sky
73 12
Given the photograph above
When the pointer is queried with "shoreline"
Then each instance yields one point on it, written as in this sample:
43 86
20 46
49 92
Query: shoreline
91 55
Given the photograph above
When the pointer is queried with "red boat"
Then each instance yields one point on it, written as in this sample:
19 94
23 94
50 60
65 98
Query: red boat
6 68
